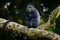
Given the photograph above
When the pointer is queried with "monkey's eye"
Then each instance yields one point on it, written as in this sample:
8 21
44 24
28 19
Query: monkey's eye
30 7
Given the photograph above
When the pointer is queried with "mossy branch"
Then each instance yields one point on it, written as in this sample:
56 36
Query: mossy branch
51 21
33 33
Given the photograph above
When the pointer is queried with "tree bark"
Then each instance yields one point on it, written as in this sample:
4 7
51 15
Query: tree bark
33 33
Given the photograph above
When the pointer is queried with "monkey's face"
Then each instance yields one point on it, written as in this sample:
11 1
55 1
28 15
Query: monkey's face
29 8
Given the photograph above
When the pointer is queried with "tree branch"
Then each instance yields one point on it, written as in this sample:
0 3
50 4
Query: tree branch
51 21
33 33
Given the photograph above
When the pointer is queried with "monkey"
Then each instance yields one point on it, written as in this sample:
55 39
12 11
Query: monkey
33 17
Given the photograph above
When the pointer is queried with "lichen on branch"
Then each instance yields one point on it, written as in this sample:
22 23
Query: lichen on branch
51 21
32 33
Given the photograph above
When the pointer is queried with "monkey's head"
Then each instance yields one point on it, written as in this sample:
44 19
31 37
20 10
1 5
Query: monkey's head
30 8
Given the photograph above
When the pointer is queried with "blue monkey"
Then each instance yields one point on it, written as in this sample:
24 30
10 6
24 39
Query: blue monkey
33 16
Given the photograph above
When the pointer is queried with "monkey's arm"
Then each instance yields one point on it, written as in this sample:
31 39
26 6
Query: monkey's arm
34 14
28 17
